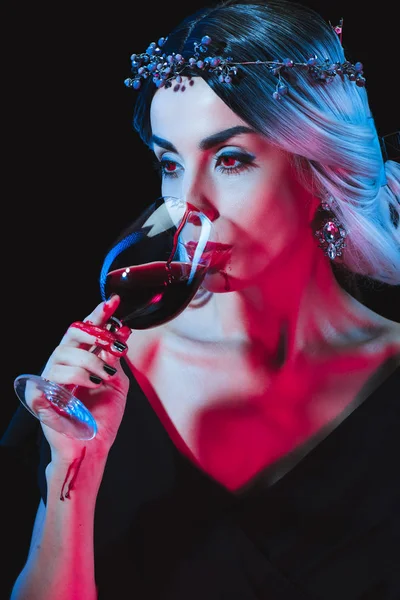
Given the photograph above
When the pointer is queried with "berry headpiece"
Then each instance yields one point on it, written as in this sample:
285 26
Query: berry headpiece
166 69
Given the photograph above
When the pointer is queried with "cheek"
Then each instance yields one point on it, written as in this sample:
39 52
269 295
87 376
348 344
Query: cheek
266 219
251 215
171 186
246 198
261 229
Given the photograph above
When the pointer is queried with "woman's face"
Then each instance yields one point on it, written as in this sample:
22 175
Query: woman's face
216 162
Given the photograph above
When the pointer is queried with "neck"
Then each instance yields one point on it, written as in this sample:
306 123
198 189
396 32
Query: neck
295 304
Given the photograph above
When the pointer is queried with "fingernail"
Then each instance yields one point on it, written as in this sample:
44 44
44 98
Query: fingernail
109 369
95 379
120 346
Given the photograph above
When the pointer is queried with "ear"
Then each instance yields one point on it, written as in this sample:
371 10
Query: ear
306 179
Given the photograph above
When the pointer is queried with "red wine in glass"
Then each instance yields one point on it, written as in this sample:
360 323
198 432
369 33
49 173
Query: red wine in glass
153 293
156 266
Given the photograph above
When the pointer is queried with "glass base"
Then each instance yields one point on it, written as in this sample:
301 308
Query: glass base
55 406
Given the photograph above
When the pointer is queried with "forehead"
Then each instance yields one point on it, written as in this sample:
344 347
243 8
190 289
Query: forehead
195 112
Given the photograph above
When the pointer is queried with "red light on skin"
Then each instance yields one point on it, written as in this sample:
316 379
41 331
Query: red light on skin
109 308
103 336
110 305
217 254
209 247
123 333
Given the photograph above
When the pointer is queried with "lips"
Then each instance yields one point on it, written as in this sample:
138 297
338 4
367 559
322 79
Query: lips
217 254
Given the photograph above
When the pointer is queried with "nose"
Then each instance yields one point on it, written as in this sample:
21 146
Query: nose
195 188
197 196
202 205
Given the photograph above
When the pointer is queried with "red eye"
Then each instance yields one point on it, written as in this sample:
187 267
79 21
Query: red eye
169 166
228 161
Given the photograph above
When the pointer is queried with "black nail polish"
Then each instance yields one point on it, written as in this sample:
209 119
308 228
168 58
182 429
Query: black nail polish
109 369
95 379
120 346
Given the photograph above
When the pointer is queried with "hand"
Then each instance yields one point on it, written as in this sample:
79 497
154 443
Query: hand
73 362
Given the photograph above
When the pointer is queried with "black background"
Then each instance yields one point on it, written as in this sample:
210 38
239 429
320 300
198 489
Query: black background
74 171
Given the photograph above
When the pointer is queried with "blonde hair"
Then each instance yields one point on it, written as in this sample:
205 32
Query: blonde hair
340 147
326 126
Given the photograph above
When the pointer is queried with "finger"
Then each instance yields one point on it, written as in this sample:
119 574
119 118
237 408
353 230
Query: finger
101 316
98 337
80 333
71 362
77 357
74 376
103 311
108 340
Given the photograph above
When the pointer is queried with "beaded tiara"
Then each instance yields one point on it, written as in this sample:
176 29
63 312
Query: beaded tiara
167 69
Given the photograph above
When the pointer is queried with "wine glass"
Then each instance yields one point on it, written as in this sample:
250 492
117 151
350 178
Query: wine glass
156 266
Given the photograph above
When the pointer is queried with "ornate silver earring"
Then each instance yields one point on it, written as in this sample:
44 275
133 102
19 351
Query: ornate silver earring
331 235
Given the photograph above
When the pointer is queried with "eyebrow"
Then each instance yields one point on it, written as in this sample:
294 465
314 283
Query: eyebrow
208 142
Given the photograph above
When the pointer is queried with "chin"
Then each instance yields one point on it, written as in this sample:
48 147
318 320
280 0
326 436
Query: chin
220 282
223 280
215 281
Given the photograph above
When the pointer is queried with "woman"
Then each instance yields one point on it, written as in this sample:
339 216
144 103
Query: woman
245 449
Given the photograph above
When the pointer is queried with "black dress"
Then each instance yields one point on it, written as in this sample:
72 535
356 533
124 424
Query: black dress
327 529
